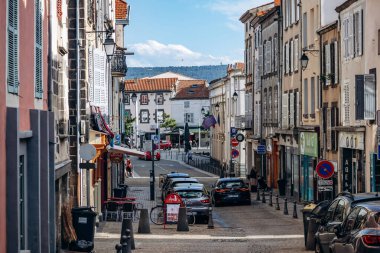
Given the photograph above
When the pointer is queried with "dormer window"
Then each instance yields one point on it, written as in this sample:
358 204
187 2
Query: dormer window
194 86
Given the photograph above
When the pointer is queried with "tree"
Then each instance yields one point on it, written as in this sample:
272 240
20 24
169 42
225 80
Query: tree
129 125
168 123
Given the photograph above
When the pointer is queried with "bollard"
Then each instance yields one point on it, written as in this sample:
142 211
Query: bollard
270 199
132 237
277 203
124 244
210 224
182 224
263 200
258 195
295 216
286 207
144 226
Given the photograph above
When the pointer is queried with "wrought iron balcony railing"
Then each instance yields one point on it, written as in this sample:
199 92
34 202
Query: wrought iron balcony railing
118 65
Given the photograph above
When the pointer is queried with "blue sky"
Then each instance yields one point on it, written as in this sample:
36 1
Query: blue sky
186 32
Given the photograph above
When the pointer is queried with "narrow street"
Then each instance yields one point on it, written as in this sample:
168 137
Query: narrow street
255 228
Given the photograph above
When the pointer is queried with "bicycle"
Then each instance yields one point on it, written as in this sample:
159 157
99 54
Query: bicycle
157 215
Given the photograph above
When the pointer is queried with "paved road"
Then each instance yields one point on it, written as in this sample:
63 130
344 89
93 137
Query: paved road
255 228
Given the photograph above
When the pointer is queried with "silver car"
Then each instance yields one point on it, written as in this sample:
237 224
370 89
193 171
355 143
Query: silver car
196 199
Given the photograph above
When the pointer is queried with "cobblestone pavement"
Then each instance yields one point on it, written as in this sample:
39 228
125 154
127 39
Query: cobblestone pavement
255 228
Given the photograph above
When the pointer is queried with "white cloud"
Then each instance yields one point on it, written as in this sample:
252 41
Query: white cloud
153 53
234 9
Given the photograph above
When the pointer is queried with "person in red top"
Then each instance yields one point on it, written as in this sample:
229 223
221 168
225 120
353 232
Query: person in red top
129 168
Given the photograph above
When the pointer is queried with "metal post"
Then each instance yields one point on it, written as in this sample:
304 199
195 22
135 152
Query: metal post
152 194
88 185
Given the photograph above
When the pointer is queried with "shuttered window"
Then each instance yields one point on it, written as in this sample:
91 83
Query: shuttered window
358 32
336 62
305 94
328 132
269 105
100 82
285 113
369 97
297 9
12 47
90 70
334 123
312 97
291 56
304 30
286 58
346 102
264 102
327 64
297 109
275 52
38 50
275 111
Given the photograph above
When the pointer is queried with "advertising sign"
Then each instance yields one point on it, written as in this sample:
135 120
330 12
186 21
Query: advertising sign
172 211
347 170
309 144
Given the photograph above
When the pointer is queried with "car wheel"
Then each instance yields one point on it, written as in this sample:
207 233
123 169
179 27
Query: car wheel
318 248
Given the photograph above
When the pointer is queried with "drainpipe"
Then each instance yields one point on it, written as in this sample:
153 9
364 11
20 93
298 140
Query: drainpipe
78 101
50 59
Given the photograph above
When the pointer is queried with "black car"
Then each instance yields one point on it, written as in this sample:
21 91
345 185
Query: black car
360 230
230 190
337 211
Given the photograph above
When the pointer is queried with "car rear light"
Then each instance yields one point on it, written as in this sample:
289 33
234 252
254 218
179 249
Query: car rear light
205 200
221 190
244 189
371 240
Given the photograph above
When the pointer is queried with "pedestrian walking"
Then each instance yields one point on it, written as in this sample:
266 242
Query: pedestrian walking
189 156
253 179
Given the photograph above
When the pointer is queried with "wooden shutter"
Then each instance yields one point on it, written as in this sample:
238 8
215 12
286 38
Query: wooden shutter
90 74
346 103
12 66
296 55
297 10
336 62
351 36
334 123
275 53
359 97
260 61
291 56
328 131
328 63
305 95
312 95
38 50
285 113
286 58
97 77
360 33
269 57
369 97
291 109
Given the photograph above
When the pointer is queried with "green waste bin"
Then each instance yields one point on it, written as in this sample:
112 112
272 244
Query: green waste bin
306 212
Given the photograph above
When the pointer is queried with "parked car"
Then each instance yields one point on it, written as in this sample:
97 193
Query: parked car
148 156
164 179
196 198
173 183
165 144
337 211
230 190
360 230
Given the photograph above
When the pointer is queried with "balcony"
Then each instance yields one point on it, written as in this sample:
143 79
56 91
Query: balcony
118 65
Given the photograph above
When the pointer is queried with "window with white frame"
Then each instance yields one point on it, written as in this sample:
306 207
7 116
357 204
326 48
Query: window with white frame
38 81
296 55
285 112
189 117
358 32
160 99
304 30
159 116
144 100
365 91
12 46
346 36
144 116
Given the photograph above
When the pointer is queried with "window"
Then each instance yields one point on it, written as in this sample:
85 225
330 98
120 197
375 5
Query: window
304 30
275 111
38 82
286 58
291 109
334 122
293 11
160 116
269 105
358 32
350 221
365 97
305 98
265 106
12 47
312 97
189 117
362 217
296 56
144 116
334 77
297 10
160 99
291 56
285 113
346 37
187 104
268 56
126 98
312 28
144 100
339 211
275 53
346 102
330 212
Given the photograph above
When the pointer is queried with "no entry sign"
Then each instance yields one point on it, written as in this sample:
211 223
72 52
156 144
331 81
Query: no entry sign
325 169
234 142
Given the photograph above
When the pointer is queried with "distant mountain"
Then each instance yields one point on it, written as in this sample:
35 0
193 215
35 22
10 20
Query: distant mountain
208 73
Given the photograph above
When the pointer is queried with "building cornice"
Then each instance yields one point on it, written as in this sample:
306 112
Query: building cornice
344 5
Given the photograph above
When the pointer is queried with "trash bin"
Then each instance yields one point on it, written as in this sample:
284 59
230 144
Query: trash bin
306 211
119 192
84 225
281 186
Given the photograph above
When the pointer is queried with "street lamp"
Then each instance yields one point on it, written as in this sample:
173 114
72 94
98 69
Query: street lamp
234 99
304 61
217 107
109 46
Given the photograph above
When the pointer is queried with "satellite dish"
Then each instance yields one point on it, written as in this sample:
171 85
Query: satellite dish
87 152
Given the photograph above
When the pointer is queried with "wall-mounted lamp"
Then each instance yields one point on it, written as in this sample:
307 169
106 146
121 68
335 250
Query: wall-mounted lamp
305 59
235 96
134 97
217 107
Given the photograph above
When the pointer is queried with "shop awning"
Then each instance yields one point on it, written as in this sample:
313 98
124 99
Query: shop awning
123 150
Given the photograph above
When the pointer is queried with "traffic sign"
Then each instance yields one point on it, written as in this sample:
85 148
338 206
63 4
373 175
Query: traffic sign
325 169
156 139
234 142
233 131
234 153
240 137
261 149
87 152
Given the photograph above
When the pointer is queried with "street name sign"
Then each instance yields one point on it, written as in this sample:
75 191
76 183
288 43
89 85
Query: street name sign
261 149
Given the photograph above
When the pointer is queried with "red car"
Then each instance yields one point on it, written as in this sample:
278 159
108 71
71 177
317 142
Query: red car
165 144
148 156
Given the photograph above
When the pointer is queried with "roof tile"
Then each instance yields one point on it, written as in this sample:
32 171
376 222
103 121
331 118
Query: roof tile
154 84
192 89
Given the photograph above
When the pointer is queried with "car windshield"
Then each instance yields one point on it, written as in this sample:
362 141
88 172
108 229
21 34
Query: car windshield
190 194
231 184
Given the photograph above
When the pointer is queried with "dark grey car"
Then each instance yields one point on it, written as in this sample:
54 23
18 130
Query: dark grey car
172 183
360 231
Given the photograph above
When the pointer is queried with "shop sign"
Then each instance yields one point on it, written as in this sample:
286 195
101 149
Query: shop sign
347 170
351 140
116 157
309 144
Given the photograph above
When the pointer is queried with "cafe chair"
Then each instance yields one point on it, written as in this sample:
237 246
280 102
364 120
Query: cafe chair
111 209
